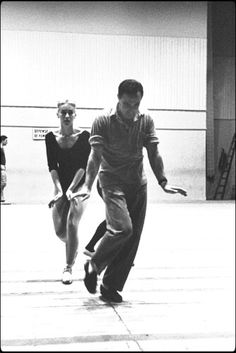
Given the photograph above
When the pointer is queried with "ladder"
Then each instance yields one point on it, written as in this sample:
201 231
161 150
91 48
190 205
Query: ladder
220 189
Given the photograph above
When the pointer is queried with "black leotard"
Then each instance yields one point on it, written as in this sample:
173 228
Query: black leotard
66 161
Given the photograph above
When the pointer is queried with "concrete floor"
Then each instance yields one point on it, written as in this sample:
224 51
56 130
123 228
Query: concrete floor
180 295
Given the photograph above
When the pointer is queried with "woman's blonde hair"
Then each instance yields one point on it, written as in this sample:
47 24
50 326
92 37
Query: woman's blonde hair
59 104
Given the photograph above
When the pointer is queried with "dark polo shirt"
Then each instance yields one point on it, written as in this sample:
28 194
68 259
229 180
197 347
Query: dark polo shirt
122 159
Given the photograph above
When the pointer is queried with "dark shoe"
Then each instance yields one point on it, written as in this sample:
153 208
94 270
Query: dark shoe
90 279
110 294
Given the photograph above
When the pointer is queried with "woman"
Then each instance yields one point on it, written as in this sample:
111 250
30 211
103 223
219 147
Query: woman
67 154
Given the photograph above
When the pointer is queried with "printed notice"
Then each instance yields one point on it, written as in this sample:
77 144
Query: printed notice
39 133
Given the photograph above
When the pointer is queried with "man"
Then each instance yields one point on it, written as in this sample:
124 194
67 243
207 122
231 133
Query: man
3 166
117 140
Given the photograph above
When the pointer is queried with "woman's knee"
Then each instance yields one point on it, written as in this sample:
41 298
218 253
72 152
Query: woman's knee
76 211
61 235
72 221
73 218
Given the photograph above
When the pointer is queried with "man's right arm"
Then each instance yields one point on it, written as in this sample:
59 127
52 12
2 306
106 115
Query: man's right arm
93 165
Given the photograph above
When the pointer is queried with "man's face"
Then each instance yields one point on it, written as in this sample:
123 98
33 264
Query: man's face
129 105
4 142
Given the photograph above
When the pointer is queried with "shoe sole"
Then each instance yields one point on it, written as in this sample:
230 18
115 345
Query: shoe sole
67 282
106 298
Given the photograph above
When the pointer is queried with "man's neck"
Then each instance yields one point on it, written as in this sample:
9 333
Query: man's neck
126 121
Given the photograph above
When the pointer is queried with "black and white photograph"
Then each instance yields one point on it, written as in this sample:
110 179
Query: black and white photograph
117 176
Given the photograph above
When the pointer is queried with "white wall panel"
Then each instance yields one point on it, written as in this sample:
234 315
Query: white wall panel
40 68
44 117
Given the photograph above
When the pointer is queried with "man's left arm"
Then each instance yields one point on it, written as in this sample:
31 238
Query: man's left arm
157 165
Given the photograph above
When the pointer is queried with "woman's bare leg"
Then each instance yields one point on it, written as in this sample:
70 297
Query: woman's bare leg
60 212
66 217
75 213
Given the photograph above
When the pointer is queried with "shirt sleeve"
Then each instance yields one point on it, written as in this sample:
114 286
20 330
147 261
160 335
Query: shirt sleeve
150 132
98 134
50 150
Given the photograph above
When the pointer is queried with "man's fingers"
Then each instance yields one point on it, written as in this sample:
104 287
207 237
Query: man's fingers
181 191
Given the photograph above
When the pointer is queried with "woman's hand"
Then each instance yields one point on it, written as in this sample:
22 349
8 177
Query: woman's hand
83 194
57 196
69 194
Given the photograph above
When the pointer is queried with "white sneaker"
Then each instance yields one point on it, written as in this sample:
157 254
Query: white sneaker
67 275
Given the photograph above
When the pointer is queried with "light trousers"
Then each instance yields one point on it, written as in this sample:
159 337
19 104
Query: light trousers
125 215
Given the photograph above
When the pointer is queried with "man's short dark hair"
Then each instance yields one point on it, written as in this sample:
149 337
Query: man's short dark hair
130 87
3 138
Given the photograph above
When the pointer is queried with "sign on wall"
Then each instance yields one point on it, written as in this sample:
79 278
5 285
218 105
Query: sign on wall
39 133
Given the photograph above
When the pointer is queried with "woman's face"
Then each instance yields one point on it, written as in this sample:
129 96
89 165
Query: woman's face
66 114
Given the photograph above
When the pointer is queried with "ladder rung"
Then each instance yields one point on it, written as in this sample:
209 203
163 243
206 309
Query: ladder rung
220 189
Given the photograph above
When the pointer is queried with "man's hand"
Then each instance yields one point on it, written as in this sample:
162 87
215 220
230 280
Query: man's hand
55 199
83 194
174 190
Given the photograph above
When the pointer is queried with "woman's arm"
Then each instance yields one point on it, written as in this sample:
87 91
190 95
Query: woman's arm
52 166
57 187
78 176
